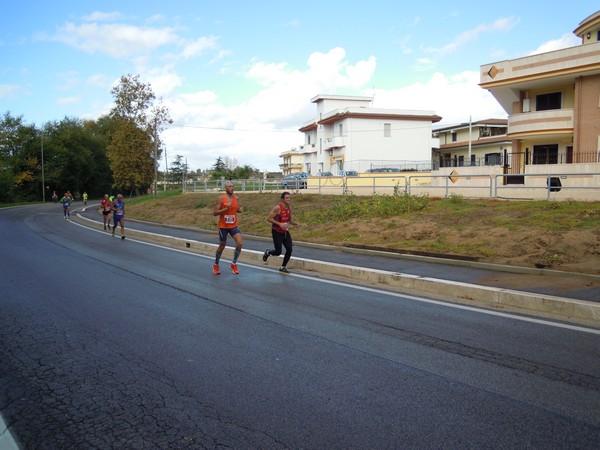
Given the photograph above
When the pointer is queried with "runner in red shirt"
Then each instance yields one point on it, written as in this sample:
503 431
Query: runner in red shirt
281 218
105 207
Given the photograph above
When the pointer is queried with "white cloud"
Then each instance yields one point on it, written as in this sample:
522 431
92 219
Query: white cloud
199 46
502 25
291 24
454 98
100 80
565 41
164 83
98 16
256 131
69 100
11 90
116 40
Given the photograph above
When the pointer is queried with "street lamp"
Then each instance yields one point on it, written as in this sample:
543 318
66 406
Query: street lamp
156 150
155 157
43 180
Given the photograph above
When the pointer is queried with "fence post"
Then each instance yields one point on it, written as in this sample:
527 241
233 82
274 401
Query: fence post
447 178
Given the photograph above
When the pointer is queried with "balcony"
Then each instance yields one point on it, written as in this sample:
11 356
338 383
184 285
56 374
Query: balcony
334 142
555 123
290 166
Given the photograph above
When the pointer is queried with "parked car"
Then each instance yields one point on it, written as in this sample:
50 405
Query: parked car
294 181
326 174
349 173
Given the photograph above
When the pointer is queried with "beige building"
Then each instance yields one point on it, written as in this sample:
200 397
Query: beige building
551 143
553 105
478 143
291 162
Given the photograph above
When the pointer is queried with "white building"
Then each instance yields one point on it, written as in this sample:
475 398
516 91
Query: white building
348 134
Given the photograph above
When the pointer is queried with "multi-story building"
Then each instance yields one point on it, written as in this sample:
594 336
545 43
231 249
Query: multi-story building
553 105
478 143
348 134
292 162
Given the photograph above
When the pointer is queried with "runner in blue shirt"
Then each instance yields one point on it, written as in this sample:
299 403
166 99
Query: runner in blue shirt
118 208
66 202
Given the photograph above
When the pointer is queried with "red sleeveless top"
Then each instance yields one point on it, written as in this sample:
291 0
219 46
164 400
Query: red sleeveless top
284 216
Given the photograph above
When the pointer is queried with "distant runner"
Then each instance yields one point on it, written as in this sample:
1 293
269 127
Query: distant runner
66 202
118 207
106 208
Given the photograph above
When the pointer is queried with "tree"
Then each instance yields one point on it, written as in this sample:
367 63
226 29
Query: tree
178 169
244 172
131 157
220 170
137 106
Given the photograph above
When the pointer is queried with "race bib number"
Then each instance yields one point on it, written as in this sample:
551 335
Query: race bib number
229 218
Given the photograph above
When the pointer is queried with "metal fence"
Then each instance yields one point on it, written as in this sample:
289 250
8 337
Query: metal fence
547 186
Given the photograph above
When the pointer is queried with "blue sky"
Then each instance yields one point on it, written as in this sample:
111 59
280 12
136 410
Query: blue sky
238 76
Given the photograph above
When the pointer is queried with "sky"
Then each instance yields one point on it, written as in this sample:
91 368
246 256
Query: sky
238 76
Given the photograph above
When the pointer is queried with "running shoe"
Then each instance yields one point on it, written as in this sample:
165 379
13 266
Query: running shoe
284 271
234 268
122 237
113 232
216 269
266 255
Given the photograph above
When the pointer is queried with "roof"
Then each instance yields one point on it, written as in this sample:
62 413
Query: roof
590 22
320 97
477 123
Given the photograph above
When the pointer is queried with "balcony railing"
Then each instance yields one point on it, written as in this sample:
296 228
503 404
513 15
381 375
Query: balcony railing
505 159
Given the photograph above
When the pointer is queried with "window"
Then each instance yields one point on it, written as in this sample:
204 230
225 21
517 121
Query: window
341 129
454 136
545 154
308 139
545 102
493 159
387 130
461 161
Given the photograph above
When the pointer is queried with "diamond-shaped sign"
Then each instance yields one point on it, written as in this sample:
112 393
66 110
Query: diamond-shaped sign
493 72
453 176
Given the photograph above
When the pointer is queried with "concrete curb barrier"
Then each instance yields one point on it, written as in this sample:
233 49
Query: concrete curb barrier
560 308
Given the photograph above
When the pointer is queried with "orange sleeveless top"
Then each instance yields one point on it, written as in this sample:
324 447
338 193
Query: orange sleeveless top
229 218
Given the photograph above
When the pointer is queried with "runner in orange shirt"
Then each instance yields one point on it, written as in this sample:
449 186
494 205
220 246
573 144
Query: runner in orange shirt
227 208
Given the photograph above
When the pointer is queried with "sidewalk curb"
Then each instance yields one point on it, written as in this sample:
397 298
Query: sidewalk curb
560 308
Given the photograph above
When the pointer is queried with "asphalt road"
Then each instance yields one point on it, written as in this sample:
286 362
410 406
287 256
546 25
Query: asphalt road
118 344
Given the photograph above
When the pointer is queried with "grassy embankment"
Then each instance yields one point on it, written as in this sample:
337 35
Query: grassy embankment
549 234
